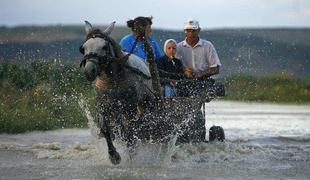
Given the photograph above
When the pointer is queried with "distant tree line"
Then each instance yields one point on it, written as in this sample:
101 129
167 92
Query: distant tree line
255 52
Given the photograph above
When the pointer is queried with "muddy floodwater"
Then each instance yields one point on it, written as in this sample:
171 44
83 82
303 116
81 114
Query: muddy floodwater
263 141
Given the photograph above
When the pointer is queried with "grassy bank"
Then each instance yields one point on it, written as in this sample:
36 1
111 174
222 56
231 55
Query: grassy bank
43 95
278 89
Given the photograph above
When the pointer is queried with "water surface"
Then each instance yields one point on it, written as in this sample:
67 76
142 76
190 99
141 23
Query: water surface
264 141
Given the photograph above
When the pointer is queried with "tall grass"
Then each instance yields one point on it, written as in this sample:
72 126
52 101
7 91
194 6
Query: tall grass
42 95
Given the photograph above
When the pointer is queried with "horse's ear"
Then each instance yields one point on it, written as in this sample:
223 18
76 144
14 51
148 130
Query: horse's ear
109 29
88 27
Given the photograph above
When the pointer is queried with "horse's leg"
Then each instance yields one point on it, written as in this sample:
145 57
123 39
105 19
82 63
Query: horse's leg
104 114
128 106
138 126
114 156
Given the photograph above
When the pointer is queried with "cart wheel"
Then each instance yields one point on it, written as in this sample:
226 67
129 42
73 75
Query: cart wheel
216 133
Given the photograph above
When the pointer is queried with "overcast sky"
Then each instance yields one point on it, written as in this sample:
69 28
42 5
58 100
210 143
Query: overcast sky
168 14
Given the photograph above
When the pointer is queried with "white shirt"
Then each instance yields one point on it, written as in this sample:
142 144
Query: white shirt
200 57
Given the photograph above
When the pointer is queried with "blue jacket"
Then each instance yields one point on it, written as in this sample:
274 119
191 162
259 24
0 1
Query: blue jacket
128 41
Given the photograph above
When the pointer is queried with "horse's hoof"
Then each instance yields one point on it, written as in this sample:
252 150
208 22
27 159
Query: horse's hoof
115 158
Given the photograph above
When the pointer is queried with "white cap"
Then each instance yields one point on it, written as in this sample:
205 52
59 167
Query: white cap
191 24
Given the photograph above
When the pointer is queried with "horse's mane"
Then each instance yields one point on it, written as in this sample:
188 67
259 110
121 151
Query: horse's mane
117 48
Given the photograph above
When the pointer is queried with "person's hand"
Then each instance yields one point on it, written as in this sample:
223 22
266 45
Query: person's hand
197 75
188 72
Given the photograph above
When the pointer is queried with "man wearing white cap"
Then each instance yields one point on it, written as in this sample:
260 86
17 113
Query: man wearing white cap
200 61
197 55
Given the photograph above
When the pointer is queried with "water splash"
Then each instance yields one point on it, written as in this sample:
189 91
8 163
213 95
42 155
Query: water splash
91 123
153 154
100 143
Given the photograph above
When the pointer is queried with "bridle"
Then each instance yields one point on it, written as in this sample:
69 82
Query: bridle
103 61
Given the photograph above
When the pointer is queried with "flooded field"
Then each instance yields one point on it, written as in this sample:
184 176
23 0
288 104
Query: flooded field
263 141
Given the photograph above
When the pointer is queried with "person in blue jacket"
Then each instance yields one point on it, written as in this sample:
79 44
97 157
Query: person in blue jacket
128 43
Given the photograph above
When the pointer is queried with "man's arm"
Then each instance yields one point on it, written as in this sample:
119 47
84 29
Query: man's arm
213 60
209 72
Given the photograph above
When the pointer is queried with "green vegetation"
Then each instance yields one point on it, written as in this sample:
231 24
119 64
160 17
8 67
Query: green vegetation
43 95
279 89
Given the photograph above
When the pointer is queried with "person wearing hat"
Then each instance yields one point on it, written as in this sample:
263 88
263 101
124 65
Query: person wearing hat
200 61
196 54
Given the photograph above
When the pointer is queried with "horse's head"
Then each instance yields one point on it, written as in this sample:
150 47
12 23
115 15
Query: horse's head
97 50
